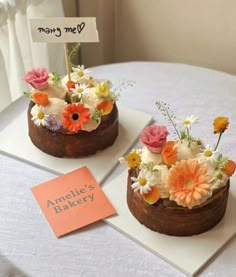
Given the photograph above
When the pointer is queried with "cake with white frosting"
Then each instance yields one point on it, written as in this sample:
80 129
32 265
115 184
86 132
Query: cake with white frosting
73 117
178 187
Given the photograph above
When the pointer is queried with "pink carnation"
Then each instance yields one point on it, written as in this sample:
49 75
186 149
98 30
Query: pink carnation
154 137
37 78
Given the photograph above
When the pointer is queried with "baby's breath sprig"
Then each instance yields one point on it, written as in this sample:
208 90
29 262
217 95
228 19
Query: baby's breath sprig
55 78
113 97
122 85
222 161
165 110
96 115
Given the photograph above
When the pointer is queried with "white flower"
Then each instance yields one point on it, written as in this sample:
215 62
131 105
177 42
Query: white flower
91 125
188 121
55 106
147 156
219 180
208 154
38 115
218 177
143 182
90 99
81 72
79 89
187 151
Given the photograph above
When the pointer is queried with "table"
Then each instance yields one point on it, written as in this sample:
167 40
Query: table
27 245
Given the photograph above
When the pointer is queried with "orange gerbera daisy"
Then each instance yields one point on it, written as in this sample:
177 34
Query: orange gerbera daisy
74 116
188 183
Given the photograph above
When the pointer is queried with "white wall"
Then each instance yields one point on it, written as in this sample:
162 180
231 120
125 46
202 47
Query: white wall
198 32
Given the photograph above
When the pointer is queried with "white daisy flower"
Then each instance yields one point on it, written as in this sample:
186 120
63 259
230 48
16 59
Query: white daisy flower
79 89
143 182
208 154
188 121
38 115
81 72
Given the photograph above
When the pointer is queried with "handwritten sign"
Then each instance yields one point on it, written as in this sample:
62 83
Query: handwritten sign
72 200
66 29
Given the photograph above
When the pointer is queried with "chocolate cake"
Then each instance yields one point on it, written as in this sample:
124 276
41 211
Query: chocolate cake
61 144
168 218
178 187
73 117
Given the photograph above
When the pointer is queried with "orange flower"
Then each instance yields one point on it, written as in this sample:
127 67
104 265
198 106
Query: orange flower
220 124
105 107
188 183
70 84
152 196
229 168
40 98
74 116
169 153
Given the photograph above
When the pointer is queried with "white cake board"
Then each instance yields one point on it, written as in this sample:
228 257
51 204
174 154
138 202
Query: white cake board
14 141
188 254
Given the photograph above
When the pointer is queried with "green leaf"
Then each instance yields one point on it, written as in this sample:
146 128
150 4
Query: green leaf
27 94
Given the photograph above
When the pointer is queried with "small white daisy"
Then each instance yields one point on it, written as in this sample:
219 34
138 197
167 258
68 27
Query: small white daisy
188 121
38 115
79 89
208 154
143 182
81 72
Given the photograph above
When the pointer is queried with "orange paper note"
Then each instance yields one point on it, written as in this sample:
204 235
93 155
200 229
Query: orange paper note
72 201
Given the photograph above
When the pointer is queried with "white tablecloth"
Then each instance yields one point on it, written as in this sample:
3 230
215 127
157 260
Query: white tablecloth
27 245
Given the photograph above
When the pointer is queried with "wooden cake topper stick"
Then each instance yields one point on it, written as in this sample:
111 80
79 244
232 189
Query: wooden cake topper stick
67 60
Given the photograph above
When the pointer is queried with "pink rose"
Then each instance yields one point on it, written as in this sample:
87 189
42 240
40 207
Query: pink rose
37 78
154 137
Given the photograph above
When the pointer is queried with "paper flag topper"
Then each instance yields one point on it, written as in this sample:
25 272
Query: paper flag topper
64 29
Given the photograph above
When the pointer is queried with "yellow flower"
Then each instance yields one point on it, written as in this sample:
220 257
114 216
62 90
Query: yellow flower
133 159
220 124
103 89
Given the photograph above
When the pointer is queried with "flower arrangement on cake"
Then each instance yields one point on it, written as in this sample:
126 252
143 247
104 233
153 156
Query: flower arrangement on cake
69 105
181 175
71 117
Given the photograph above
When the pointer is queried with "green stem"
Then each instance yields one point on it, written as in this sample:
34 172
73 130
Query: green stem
218 141
172 122
72 54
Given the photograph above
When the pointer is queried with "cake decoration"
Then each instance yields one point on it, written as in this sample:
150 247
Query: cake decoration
172 179
77 104
67 111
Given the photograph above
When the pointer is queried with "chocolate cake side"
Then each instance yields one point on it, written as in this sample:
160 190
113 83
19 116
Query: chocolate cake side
61 144
167 217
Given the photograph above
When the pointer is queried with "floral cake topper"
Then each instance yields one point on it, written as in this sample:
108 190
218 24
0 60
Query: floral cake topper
69 105
183 170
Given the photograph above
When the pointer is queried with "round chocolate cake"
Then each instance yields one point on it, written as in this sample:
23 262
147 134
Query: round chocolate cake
73 117
178 187
64 144
166 217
